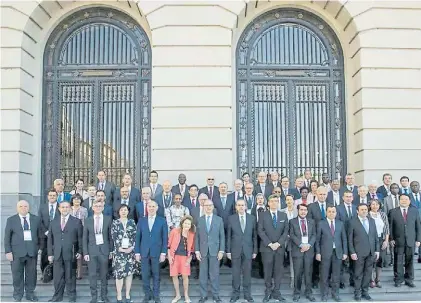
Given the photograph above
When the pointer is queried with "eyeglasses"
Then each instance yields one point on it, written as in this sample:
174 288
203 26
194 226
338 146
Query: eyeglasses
208 205
277 192
209 179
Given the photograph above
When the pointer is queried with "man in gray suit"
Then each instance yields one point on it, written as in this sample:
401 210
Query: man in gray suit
391 201
156 188
273 231
97 248
107 186
331 249
210 247
241 249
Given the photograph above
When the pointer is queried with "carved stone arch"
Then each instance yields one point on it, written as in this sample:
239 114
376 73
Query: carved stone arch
290 96
96 100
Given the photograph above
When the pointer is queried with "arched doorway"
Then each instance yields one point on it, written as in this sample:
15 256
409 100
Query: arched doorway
290 96
96 101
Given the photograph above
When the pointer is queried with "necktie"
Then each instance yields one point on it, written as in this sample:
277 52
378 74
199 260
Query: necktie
303 227
51 213
146 209
332 228
193 202
25 224
243 225
166 201
210 192
153 189
365 223
396 201
274 220
405 215
224 202
322 209
349 212
249 203
285 192
406 191
97 225
261 209
63 222
59 198
417 200
102 185
373 196
208 223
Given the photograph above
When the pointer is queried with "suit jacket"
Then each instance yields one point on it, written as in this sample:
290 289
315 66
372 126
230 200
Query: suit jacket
212 242
325 240
116 206
14 240
269 234
315 213
413 202
44 215
163 203
108 211
342 214
158 191
404 233
86 203
215 193
388 204
66 197
151 243
359 242
174 241
296 237
89 242
187 202
110 191
258 190
139 211
291 191
222 212
357 200
66 243
239 242
331 200
345 188
254 212
232 197
195 213
176 190
134 194
382 191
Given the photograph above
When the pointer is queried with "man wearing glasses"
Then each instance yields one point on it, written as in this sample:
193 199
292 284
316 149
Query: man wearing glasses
210 189
210 247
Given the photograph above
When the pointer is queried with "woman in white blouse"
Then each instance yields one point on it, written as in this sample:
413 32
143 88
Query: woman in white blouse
292 212
312 196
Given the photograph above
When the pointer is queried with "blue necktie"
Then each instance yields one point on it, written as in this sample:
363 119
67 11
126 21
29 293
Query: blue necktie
51 213
322 209
224 202
59 198
249 203
274 220
208 223
25 224
406 191
365 223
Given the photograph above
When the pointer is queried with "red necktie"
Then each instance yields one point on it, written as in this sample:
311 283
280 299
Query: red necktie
304 201
405 215
303 227
193 202
146 209
332 228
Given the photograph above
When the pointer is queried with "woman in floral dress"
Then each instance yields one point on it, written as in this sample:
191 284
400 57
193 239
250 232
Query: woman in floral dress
124 263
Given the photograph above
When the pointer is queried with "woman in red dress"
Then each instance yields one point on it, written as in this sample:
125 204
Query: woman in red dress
180 250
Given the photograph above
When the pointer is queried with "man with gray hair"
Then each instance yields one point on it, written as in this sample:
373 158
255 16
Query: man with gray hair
59 187
237 193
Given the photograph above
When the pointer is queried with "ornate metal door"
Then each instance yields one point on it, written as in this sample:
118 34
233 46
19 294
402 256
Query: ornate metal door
96 107
290 101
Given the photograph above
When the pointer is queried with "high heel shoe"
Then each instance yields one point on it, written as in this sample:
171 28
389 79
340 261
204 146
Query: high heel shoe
176 299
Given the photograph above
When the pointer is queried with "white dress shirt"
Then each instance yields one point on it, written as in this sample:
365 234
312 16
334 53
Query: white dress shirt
151 221
101 222
27 219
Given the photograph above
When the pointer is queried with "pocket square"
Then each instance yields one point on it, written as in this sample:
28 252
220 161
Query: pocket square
281 221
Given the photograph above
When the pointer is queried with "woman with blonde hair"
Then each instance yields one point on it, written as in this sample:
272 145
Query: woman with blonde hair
180 250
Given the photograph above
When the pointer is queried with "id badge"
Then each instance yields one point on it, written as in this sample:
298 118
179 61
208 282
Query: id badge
27 235
125 243
99 239
304 240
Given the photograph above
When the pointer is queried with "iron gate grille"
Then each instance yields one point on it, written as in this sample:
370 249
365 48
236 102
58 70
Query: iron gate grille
97 85
290 98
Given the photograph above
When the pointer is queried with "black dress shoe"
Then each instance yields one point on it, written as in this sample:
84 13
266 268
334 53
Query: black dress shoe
146 300
267 298
357 298
278 297
249 299
342 285
105 300
217 300
419 260
94 300
17 298
336 298
55 300
296 298
234 299
32 298
315 285
352 283
397 284
324 299
72 300
202 299
410 284
366 297
311 298
157 300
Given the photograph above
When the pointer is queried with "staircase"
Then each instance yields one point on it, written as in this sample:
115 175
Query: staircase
387 293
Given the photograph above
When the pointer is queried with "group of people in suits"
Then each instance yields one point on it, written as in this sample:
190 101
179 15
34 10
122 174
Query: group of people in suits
262 226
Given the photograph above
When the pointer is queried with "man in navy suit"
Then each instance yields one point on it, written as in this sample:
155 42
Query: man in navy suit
415 195
211 190
191 201
262 186
107 186
334 196
181 188
100 197
405 186
237 193
134 193
286 190
156 188
141 209
59 187
165 198
384 190
350 185
151 248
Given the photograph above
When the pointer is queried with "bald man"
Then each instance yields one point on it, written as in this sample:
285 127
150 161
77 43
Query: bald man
21 245
165 198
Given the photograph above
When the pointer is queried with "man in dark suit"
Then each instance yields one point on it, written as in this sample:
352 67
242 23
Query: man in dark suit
274 179
59 187
350 185
165 199
64 247
364 248
273 232
302 233
345 212
384 190
331 250
156 188
405 232
151 247
286 190
257 211
241 249
107 186
237 193
317 212
362 196
262 186
134 193
47 212
100 197
334 196
141 209
97 248
88 202
190 200
224 207
415 195
181 188
211 190
21 245
249 197
209 249
124 194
